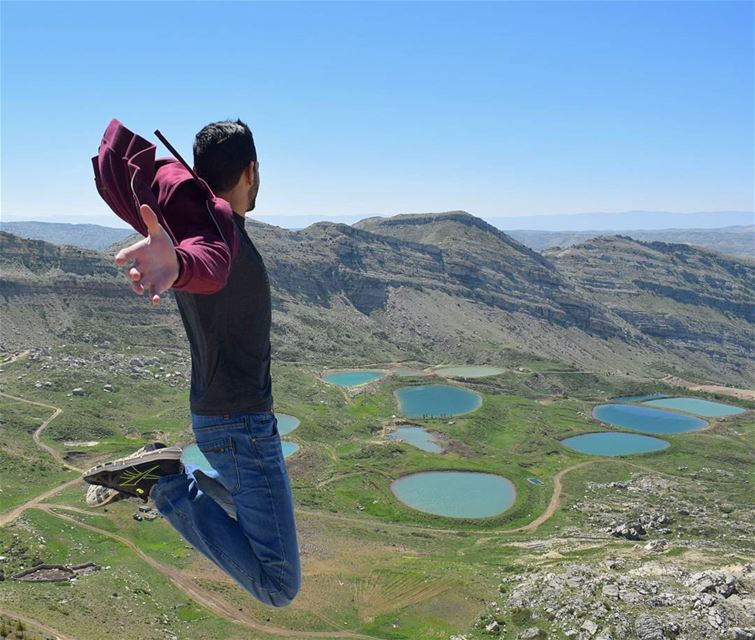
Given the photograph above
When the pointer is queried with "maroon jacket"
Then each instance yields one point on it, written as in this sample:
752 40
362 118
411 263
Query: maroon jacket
200 224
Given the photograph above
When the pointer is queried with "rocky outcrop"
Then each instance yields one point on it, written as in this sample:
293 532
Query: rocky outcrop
700 304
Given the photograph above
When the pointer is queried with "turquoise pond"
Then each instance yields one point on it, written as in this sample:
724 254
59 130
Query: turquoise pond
286 423
417 437
468 372
289 448
456 494
640 398
352 378
192 454
699 407
436 400
646 419
614 444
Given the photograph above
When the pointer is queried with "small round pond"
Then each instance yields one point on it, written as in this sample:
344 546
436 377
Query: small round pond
289 448
468 372
353 378
436 400
614 444
646 419
418 437
456 494
698 406
286 423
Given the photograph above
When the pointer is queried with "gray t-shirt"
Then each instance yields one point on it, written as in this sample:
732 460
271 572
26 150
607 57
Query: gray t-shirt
229 335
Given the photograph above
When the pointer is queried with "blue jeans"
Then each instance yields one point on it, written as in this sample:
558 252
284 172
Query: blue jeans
240 514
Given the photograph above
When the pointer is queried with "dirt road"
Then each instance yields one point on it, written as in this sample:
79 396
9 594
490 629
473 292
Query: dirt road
742 394
29 622
212 601
38 432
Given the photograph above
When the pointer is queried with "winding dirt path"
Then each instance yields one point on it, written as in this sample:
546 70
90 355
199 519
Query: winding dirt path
38 431
11 515
29 622
211 601
555 502
35 502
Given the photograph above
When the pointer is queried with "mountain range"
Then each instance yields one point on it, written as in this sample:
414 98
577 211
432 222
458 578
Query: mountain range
434 287
736 240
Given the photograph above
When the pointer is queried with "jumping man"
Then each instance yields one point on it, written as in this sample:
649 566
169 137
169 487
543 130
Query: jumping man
239 514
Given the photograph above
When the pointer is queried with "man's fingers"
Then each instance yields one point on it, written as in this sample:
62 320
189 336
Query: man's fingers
137 288
129 253
150 219
154 296
134 274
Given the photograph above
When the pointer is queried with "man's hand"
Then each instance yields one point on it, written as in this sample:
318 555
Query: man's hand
155 263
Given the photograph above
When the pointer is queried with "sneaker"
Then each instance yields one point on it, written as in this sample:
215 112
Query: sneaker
135 475
99 496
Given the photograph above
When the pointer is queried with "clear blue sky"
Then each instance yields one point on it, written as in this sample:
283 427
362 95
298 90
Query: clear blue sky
501 109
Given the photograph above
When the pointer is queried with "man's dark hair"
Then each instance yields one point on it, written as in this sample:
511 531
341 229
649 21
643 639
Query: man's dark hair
222 150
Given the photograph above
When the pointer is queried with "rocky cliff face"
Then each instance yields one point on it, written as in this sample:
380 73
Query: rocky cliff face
694 302
431 287
50 292
474 260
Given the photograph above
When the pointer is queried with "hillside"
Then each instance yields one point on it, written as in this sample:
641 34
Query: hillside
444 286
61 293
86 236
692 301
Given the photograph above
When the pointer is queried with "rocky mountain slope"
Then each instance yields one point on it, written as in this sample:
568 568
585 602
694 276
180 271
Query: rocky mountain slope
62 293
430 287
692 301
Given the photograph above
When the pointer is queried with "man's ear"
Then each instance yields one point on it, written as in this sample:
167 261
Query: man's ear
249 172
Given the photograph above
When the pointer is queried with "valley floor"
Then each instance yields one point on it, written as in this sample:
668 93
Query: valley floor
560 562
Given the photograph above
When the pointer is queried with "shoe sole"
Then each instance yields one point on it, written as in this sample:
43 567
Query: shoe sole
167 454
162 447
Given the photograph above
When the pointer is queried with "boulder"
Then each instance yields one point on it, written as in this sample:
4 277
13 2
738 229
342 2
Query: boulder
648 627
493 628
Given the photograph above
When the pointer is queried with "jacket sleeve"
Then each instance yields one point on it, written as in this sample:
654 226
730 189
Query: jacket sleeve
200 224
203 229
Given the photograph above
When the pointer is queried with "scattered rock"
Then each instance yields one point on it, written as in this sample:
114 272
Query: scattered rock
589 627
648 627
656 546
493 628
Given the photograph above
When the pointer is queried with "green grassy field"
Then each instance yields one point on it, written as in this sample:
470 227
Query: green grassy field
372 566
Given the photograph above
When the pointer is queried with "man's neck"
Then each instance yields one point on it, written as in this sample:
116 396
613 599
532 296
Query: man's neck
238 210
